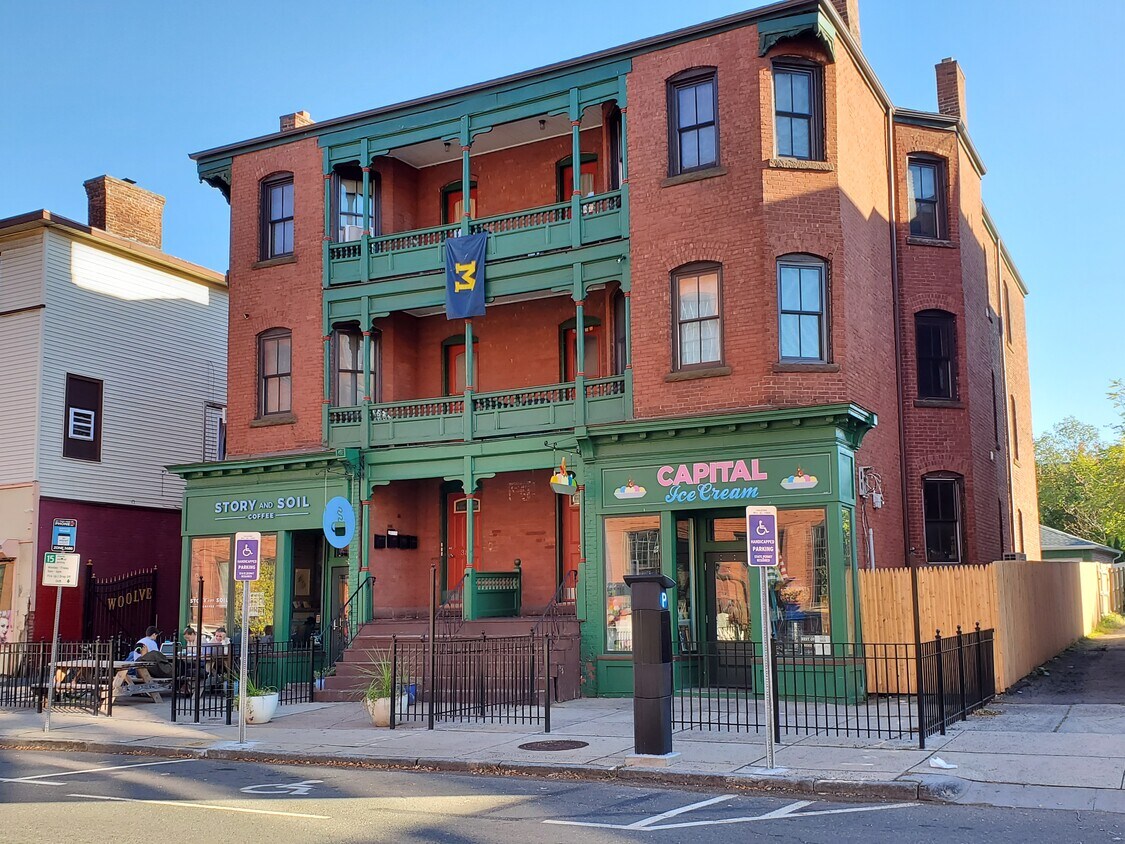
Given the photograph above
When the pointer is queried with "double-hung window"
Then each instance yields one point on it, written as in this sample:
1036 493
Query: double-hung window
933 333
927 212
275 372
941 503
798 121
698 332
693 121
347 356
277 217
802 309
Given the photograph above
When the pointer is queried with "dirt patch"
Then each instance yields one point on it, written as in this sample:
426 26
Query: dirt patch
1091 671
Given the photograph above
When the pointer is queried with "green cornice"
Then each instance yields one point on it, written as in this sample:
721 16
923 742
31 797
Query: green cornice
816 24
256 466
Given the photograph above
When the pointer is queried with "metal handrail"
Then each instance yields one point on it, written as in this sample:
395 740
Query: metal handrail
550 623
345 622
450 615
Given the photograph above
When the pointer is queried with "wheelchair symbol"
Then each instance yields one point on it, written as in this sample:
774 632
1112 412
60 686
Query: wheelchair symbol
761 529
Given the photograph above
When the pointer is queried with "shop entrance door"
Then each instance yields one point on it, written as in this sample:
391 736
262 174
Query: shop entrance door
728 617
456 533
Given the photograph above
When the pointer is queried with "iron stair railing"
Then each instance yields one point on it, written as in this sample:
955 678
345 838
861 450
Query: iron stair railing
564 603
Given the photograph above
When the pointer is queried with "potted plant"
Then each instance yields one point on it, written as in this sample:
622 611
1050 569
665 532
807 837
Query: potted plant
377 695
261 702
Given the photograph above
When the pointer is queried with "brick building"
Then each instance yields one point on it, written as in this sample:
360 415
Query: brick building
787 291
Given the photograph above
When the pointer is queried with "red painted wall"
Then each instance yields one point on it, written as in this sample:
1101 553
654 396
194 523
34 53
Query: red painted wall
118 540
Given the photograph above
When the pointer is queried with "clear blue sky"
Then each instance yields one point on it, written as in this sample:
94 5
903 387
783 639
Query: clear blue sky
130 88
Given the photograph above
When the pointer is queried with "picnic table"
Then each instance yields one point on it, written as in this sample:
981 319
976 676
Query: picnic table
79 675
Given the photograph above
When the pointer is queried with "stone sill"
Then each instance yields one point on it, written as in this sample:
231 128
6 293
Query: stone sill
273 419
274 262
801 164
694 176
955 404
930 241
793 366
694 374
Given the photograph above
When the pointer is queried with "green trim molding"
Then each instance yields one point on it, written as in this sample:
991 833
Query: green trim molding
816 24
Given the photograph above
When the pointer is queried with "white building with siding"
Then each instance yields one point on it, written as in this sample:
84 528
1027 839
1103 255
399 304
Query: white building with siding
112 366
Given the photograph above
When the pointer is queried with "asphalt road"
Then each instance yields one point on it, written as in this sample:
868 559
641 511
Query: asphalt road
80 797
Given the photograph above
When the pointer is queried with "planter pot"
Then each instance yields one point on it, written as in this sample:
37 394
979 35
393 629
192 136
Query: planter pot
260 708
380 709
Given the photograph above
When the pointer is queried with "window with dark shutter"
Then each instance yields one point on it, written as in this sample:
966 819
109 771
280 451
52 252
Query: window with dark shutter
82 425
933 334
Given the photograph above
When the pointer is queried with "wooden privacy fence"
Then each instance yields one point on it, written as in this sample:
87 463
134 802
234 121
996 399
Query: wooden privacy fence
1036 608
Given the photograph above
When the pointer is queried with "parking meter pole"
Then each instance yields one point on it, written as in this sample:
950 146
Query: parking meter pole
54 661
652 664
767 666
244 658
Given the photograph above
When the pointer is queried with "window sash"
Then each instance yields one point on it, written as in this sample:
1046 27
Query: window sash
694 107
796 115
925 200
278 214
276 377
698 319
801 309
934 344
941 505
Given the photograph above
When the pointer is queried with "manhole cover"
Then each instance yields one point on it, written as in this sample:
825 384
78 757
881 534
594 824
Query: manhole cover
559 744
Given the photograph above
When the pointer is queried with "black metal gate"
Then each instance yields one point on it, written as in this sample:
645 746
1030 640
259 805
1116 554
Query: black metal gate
119 607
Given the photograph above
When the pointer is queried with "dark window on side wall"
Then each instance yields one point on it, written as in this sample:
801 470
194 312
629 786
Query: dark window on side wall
933 332
927 201
693 121
941 501
82 432
277 217
619 328
798 110
697 325
613 127
275 372
802 322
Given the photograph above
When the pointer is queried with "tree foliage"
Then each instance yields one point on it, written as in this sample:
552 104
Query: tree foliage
1081 477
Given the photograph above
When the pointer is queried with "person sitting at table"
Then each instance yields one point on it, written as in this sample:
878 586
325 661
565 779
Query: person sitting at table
189 653
149 642
153 661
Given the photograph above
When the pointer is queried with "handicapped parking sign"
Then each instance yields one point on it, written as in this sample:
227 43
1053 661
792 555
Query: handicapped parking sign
761 536
247 555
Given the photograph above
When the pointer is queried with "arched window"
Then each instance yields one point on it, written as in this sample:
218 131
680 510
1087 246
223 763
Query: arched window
276 213
926 194
275 372
934 342
802 295
693 120
697 324
941 506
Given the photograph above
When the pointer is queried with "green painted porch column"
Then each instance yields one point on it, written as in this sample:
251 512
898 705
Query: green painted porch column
185 585
367 608
365 238
627 295
624 162
469 592
283 587
466 177
365 350
467 409
327 239
326 398
579 349
575 113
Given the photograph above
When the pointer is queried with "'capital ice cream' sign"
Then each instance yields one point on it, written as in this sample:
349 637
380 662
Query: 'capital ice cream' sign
707 482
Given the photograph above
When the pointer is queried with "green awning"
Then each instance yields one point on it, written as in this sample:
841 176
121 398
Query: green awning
770 32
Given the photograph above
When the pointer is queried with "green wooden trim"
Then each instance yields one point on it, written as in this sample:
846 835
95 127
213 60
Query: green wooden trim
816 24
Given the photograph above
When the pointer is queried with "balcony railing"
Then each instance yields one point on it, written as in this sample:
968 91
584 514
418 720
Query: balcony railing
523 233
493 414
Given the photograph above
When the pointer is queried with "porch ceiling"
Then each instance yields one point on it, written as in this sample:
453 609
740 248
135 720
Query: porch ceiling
504 136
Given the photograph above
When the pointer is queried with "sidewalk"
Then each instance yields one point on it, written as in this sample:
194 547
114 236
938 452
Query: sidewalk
1021 755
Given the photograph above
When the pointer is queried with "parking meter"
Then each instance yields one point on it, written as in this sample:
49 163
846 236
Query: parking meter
652 663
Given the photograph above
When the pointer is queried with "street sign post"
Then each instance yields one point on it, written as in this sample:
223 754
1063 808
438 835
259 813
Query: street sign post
60 571
761 552
247 567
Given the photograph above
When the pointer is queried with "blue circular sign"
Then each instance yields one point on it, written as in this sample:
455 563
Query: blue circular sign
339 522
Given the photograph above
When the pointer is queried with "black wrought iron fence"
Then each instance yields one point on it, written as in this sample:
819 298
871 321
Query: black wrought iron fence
83 679
206 684
501 680
831 688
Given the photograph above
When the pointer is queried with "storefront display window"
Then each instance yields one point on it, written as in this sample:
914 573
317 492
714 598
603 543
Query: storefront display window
210 559
728 529
800 590
685 584
632 546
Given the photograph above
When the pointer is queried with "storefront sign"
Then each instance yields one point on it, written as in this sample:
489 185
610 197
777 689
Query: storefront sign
717 482
338 522
294 505
264 508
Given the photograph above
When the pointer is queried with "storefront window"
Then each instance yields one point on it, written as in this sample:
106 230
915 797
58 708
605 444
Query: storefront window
800 590
728 529
261 590
632 546
685 584
210 559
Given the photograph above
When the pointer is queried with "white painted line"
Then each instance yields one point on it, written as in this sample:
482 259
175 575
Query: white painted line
184 805
97 770
665 815
31 782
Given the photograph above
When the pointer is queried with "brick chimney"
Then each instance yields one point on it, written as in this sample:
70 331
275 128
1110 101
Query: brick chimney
950 89
119 207
849 11
295 120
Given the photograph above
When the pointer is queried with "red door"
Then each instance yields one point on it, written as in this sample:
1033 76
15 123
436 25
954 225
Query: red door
455 369
451 211
593 353
570 529
587 180
456 533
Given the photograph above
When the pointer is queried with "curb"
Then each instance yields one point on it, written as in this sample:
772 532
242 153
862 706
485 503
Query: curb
943 790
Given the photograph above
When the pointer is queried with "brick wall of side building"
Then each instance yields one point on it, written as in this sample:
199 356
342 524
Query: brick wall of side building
283 294
1025 490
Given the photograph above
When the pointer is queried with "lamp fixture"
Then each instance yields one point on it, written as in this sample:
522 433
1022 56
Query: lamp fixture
542 124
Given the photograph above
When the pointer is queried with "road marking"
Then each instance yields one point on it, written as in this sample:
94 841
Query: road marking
180 804
93 771
303 787
788 812
29 782
665 815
